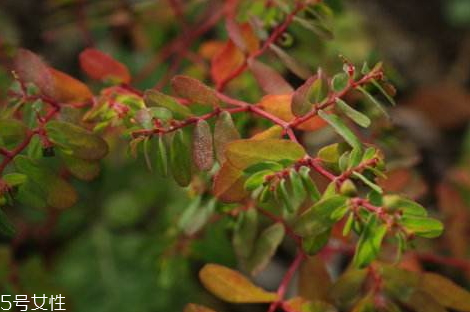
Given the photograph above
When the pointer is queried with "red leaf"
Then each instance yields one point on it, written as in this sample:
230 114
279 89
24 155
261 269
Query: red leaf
269 80
101 66
68 89
31 69
226 62
231 58
52 83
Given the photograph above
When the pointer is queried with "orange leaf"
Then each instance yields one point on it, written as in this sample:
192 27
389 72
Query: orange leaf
68 89
231 286
191 307
243 36
228 184
251 40
101 66
280 106
226 62
210 49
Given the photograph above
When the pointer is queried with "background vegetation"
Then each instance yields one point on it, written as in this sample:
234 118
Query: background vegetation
122 247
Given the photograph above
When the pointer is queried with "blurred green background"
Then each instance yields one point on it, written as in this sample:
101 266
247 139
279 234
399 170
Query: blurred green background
120 248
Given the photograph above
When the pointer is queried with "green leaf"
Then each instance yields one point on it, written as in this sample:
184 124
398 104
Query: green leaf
146 151
373 100
256 180
14 179
331 153
180 159
244 153
348 288
313 244
341 128
284 196
368 246
300 70
194 90
422 226
356 116
266 194
421 301
264 165
318 218
82 169
406 206
161 157
316 27
12 132
298 189
76 141
266 245
161 113
340 82
231 286
188 214
348 225
203 149
385 93
369 183
224 132
301 99
355 158
399 283
244 234
6 227
196 216
154 98
446 292
57 192
309 184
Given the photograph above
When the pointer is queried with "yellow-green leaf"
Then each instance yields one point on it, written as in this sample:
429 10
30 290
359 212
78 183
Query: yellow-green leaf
76 141
82 169
57 192
244 153
12 132
180 159
231 286
266 245
340 127
446 292
155 98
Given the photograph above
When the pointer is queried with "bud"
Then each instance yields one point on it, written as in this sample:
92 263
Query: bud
348 188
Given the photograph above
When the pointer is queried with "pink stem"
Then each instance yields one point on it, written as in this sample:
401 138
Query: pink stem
282 289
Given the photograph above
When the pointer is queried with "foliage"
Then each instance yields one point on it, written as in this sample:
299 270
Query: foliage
246 163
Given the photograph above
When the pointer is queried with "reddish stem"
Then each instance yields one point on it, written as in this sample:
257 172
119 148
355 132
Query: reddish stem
277 32
289 231
282 289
